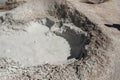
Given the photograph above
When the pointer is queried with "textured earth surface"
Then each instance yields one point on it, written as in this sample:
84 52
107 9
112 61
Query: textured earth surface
60 40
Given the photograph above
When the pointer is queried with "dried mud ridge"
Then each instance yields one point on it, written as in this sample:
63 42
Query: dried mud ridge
91 58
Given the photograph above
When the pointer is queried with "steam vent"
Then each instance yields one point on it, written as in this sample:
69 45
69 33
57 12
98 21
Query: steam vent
59 39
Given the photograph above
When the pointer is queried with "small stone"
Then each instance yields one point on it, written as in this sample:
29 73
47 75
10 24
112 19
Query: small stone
47 22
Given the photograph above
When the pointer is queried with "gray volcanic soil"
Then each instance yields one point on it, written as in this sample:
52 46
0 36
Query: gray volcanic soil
59 40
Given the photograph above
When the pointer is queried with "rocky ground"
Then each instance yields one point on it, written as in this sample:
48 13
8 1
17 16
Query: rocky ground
60 40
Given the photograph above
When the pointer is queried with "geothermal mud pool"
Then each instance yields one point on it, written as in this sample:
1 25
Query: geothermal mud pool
44 43
36 43
51 40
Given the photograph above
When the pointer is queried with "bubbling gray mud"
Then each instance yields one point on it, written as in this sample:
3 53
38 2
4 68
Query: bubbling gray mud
76 37
41 41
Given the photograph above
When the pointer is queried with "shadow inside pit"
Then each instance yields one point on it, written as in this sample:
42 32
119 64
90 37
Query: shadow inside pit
77 43
77 39
117 26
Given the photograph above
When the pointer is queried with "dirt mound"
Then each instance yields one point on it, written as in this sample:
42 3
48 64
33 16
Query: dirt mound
10 4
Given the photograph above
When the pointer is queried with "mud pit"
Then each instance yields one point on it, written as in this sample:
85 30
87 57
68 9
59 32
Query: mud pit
38 44
42 44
